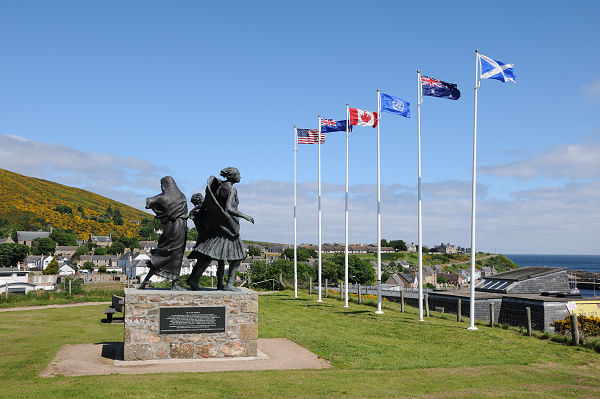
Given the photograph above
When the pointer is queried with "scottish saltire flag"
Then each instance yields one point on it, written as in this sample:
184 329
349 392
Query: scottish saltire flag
309 136
394 105
438 88
329 125
494 69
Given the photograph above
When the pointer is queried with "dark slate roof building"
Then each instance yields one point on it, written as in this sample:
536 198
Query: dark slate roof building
527 280
26 237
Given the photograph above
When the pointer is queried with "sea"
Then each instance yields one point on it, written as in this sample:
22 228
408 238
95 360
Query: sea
586 263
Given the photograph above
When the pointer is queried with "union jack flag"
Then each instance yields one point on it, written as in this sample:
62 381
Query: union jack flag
309 136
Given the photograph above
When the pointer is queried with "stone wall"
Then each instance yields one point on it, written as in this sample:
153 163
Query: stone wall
143 340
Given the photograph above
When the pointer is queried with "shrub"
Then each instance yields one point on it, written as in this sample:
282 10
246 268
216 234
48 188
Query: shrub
589 326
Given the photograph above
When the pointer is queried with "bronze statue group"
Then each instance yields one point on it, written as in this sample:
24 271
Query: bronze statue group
216 218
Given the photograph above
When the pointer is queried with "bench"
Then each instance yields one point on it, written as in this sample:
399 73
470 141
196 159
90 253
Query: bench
118 305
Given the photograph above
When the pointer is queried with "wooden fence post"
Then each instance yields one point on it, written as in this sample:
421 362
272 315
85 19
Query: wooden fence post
491 315
402 300
528 310
458 310
426 304
341 291
326 288
574 329
359 295
310 285
69 287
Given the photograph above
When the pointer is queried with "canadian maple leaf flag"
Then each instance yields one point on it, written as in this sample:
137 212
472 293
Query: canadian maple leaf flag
359 117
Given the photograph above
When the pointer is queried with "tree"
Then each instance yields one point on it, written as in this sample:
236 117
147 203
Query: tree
43 246
441 279
303 254
52 267
83 249
331 271
88 266
100 251
398 245
117 217
64 209
11 254
116 248
360 271
63 237
102 269
253 250
192 234
148 229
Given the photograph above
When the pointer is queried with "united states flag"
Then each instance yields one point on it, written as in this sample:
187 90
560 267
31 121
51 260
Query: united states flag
309 136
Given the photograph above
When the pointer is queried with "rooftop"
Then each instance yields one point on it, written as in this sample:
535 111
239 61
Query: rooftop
525 273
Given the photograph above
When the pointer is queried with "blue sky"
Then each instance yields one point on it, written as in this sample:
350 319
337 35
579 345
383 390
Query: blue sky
111 96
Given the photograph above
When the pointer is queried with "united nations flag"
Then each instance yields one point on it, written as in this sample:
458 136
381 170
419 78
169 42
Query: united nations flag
394 105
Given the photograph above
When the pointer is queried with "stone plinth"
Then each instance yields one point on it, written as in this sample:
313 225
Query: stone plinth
165 324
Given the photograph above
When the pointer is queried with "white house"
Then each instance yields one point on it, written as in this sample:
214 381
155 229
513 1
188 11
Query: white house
39 262
15 279
66 270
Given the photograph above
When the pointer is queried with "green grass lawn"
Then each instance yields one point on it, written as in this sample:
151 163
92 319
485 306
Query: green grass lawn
373 356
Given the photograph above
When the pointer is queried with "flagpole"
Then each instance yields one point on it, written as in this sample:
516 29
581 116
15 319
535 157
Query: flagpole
379 311
420 222
472 299
295 242
346 214
319 141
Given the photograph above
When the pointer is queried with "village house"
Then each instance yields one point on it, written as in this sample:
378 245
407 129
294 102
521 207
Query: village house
7 240
99 260
15 280
66 270
148 246
38 262
488 271
403 280
27 237
101 241
446 248
411 247
67 251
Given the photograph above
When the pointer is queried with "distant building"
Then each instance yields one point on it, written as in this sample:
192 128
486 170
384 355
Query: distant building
101 241
411 247
148 246
66 270
65 250
446 248
38 262
403 279
488 271
527 280
7 240
15 280
27 237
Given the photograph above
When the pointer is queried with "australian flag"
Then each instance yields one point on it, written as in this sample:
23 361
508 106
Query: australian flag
438 88
329 125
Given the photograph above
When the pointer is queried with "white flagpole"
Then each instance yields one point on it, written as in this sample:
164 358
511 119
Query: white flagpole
379 311
420 222
295 242
319 140
346 246
472 299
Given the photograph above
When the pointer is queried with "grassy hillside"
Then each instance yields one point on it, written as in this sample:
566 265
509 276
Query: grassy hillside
28 201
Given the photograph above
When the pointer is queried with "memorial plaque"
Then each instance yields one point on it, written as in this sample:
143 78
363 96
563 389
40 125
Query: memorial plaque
192 320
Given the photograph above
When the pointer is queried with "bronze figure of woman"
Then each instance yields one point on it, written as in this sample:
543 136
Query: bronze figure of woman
217 221
170 208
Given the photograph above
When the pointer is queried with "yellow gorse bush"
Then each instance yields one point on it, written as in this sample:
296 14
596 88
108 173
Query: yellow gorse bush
589 326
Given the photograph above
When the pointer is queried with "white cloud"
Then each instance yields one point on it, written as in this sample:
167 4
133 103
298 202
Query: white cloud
572 161
592 91
544 220
126 179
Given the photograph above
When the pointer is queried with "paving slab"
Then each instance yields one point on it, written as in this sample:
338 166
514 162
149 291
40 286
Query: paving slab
107 358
